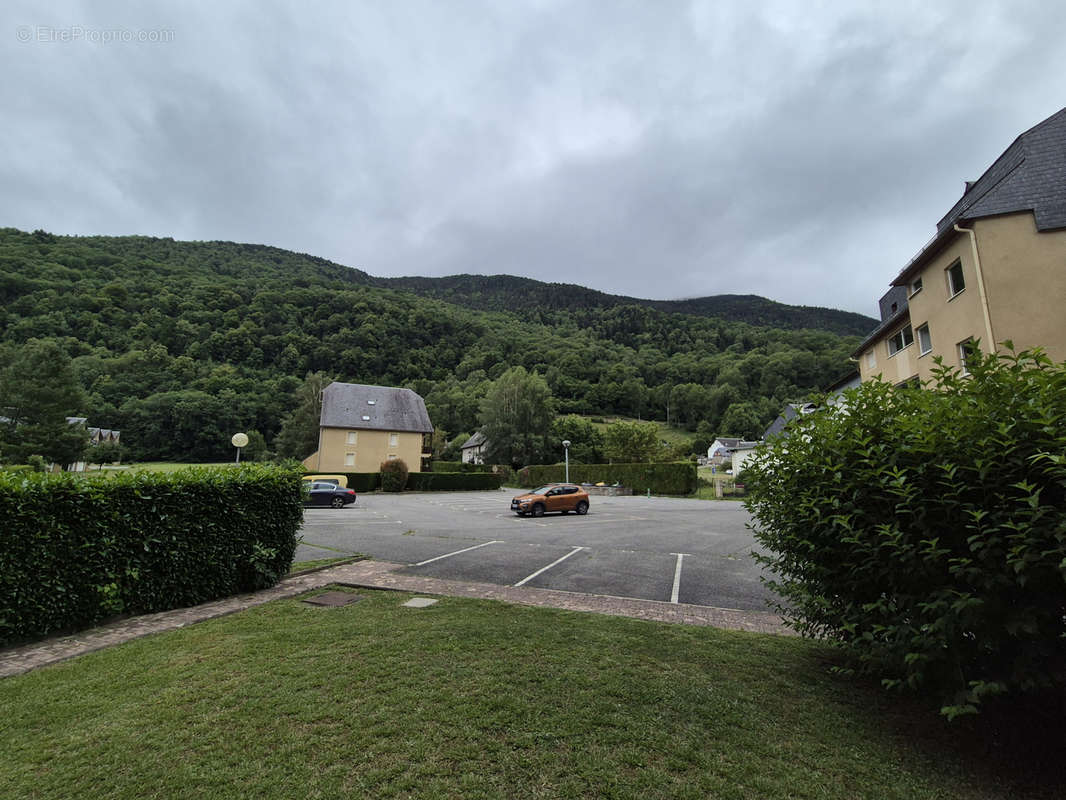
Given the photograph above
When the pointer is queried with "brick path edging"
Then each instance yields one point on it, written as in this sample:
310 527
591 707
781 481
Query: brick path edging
376 575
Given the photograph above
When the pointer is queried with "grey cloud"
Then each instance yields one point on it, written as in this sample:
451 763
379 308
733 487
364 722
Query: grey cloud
801 153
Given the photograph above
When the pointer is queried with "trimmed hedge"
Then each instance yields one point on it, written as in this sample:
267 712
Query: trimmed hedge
458 466
452 481
924 530
677 478
359 481
76 549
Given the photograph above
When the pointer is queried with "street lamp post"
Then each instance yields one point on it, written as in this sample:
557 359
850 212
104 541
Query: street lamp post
239 440
566 455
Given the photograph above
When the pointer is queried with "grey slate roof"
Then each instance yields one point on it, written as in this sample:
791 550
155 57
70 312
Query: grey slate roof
791 411
1030 175
892 322
474 441
377 408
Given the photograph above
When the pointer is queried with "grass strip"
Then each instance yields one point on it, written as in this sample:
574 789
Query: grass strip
471 699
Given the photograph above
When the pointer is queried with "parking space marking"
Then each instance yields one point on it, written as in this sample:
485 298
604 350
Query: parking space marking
677 577
457 552
545 569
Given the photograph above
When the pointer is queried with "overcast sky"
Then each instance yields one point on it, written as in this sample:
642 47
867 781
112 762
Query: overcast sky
801 151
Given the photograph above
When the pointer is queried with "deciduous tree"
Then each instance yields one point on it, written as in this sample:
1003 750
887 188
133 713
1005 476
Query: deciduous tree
516 418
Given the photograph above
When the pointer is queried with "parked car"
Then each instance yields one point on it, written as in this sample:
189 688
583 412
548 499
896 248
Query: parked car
561 497
337 480
323 493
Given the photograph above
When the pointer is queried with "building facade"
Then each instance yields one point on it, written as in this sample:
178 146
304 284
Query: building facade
994 272
362 426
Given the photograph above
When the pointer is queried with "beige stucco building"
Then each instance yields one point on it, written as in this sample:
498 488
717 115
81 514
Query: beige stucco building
362 426
995 271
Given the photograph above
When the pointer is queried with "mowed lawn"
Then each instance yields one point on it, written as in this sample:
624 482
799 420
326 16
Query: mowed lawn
468 699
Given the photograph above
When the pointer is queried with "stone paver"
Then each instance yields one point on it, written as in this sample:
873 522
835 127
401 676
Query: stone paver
377 575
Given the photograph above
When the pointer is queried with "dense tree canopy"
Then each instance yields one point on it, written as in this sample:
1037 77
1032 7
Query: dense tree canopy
181 344
38 391
632 442
516 418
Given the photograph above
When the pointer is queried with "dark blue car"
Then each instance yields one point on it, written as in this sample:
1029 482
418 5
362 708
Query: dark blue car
321 493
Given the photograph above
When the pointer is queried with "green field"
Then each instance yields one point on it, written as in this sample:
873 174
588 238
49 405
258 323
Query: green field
476 699
670 434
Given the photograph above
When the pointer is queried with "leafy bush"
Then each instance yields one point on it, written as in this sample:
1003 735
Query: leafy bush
925 531
452 481
75 549
393 475
668 478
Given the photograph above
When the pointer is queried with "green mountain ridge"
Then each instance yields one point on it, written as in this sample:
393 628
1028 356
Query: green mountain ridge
512 293
181 344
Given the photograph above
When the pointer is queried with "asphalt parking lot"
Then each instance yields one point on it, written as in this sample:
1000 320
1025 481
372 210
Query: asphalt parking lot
667 549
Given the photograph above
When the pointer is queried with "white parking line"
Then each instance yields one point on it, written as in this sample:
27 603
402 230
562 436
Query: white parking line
457 552
677 577
545 569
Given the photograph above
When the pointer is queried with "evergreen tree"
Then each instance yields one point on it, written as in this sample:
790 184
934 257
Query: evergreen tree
38 391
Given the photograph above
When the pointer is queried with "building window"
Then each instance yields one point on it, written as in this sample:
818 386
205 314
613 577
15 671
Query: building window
394 439
966 349
366 418
925 341
956 283
904 337
871 359
371 402
392 456
916 286
349 459
351 437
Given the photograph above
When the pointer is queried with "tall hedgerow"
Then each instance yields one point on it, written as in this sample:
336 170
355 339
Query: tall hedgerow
924 530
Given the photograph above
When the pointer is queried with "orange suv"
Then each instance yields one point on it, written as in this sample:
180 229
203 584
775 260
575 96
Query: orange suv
562 497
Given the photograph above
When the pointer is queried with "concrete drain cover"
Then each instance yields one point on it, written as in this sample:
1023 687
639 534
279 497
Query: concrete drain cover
333 599
419 602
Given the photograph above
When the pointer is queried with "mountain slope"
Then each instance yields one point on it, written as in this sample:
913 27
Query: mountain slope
510 293
181 344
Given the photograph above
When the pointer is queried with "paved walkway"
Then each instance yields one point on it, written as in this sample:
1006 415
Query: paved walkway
376 575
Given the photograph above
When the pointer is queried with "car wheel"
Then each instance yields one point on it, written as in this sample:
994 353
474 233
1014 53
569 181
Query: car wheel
338 502
538 510
582 507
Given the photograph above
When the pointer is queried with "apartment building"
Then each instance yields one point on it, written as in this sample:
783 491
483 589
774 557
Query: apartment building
994 271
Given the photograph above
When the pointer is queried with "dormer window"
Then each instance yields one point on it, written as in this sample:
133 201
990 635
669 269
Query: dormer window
895 307
366 418
371 402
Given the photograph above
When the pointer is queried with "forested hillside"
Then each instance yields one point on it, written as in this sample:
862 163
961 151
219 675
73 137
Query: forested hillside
528 297
180 344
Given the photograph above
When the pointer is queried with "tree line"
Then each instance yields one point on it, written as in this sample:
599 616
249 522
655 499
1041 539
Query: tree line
180 344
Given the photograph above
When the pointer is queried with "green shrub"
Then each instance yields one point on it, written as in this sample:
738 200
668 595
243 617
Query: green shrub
393 475
75 549
452 481
669 478
925 530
